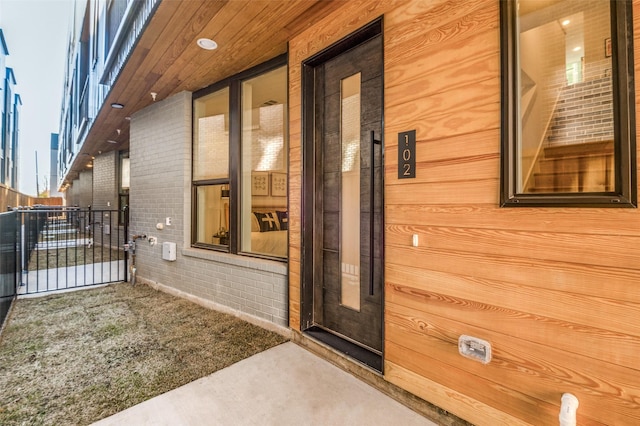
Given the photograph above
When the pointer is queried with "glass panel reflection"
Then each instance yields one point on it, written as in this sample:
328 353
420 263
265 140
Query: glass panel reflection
211 136
213 214
566 142
264 216
350 191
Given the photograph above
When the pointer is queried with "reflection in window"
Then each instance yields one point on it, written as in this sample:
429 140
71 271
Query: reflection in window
211 168
573 27
211 136
212 204
563 115
567 104
350 94
240 163
264 217
123 186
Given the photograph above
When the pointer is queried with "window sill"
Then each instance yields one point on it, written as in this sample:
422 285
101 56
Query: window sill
266 265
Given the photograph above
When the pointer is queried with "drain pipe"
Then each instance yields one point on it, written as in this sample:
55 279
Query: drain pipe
132 252
568 408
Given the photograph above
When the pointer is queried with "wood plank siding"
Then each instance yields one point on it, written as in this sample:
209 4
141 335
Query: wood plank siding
555 290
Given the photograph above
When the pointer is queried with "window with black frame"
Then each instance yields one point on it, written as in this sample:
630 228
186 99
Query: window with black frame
568 135
211 167
123 186
239 163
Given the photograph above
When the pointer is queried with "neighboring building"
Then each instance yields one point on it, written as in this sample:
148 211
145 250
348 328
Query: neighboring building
10 113
53 167
382 180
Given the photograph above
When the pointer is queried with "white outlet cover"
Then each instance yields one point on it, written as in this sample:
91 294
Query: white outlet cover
474 348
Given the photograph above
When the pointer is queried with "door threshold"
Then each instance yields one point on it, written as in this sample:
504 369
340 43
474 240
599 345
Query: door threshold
363 355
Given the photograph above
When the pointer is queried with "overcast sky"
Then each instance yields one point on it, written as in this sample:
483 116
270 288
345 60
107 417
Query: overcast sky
36 34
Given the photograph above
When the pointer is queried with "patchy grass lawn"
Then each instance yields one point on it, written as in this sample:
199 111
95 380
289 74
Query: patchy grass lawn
77 357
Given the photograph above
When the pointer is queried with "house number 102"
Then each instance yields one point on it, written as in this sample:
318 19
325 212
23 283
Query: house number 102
407 154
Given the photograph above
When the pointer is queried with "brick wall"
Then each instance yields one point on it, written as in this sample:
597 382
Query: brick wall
105 181
80 193
105 201
160 151
584 113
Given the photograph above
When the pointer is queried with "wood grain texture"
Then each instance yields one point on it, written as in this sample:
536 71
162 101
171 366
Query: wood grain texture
500 391
534 368
542 331
553 289
568 277
461 404
597 250
592 221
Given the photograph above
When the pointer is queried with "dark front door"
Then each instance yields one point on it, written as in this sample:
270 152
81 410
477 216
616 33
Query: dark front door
347 199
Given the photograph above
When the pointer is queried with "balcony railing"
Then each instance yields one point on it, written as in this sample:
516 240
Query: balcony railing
135 20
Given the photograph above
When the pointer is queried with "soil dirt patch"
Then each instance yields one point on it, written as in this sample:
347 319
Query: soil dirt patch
77 357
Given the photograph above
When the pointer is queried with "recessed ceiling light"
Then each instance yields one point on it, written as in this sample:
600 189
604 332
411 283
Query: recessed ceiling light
566 22
117 105
207 44
577 48
111 141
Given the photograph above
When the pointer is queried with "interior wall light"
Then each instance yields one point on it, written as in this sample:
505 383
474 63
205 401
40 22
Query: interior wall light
117 105
207 44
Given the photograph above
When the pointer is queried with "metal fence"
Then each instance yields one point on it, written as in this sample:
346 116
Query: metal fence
69 247
9 262
45 249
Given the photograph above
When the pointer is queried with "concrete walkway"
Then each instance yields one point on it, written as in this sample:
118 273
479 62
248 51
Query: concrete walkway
285 385
49 280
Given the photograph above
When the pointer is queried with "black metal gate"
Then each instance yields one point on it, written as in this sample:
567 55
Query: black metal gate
8 263
64 248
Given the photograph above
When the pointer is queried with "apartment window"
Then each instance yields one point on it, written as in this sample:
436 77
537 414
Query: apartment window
124 179
239 163
211 168
568 135
115 13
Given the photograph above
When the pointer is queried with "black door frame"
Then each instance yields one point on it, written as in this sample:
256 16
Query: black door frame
309 178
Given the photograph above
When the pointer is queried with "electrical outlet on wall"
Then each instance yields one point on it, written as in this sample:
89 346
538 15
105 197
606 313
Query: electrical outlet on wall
474 348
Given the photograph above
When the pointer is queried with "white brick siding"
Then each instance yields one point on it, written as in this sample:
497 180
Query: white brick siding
105 181
160 151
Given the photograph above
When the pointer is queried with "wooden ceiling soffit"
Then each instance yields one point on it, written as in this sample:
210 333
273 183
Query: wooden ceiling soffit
166 59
